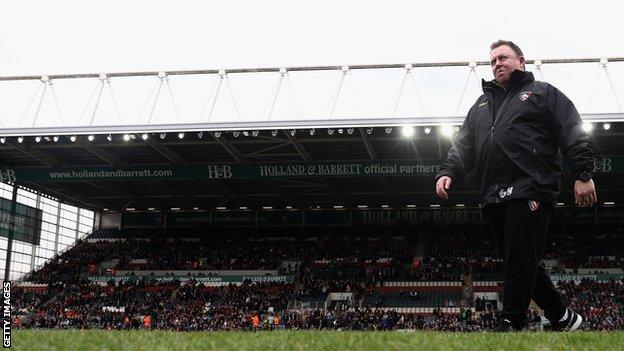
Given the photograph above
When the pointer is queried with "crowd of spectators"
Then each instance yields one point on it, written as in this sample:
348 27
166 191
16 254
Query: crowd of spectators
238 316
170 306
587 249
68 266
600 303
573 247
436 254
231 253
320 264
191 306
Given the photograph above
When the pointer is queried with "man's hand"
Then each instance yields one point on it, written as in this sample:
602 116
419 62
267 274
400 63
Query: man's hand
442 185
584 193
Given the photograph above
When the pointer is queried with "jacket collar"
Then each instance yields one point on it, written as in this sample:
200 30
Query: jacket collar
516 79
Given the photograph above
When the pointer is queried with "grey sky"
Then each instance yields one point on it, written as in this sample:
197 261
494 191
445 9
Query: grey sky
50 37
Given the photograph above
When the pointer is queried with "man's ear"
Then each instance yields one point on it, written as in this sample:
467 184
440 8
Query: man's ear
522 62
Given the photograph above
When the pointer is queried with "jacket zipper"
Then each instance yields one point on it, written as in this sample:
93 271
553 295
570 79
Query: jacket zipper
502 109
505 103
492 119
498 115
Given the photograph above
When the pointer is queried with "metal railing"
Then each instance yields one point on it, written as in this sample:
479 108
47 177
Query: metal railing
429 93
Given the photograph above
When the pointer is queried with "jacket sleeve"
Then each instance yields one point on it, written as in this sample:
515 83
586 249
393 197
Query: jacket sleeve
574 142
461 156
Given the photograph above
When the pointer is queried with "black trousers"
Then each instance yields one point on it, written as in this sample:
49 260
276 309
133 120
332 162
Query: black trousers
519 229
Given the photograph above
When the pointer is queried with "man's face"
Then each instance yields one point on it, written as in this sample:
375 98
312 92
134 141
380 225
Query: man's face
504 61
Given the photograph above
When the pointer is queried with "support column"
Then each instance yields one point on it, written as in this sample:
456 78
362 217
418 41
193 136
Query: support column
9 249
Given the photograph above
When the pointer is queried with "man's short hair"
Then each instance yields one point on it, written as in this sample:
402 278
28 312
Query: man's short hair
511 44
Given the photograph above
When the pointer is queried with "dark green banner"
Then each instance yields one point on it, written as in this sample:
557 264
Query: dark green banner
26 221
267 218
572 277
343 217
221 171
426 167
578 277
414 216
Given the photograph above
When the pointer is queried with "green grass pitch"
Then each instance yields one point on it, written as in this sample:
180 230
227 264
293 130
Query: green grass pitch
34 340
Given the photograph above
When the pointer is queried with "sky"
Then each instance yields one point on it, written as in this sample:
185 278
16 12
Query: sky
63 36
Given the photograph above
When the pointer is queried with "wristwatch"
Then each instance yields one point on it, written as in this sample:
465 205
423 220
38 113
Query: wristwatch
584 176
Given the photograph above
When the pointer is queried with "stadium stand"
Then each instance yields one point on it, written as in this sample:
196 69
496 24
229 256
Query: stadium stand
123 280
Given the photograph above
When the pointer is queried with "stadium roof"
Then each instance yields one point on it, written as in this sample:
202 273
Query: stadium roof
299 160
325 163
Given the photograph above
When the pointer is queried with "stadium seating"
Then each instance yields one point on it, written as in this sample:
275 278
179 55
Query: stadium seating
398 281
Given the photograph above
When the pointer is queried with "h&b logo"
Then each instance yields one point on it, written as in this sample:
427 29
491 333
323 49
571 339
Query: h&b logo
603 165
219 171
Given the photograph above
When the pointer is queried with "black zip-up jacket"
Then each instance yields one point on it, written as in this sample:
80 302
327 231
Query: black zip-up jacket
517 151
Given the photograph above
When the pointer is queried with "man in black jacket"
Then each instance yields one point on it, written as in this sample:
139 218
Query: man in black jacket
514 136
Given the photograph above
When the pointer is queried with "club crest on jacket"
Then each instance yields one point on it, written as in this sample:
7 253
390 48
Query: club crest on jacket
534 205
525 95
